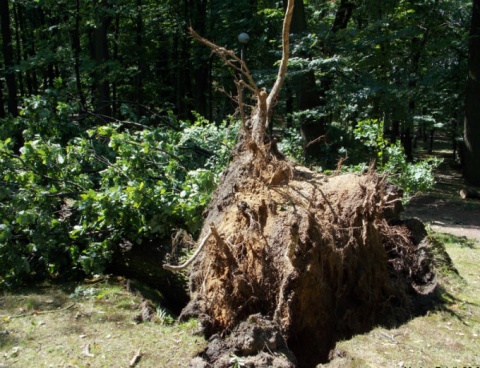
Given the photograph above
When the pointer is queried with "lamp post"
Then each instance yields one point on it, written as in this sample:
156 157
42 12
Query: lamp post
243 38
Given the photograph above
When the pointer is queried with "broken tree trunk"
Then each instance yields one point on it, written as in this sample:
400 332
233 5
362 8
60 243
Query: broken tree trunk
319 257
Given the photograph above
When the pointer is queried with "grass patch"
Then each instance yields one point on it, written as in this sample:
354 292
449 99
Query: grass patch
92 325
89 325
453 241
447 336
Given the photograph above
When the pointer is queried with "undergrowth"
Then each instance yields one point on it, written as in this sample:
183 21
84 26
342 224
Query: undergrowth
72 192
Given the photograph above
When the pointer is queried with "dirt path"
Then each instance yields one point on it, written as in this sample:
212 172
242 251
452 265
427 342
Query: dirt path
442 207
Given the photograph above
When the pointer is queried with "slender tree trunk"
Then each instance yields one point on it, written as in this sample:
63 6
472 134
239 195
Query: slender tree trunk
307 96
19 48
140 59
200 68
182 79
418 45
99 54
28 43
76 54
2 102
343 15
299 20
116 37
183 68
471 162
8 57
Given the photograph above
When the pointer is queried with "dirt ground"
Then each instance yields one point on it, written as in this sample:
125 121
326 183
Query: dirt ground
442 208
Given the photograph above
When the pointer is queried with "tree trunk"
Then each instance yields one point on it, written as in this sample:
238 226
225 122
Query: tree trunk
290 251
471 161
19 48
307 96
140 59
75 34
418 46
116 37
2 103
12 101
99 54
343 15
28 42
299 20
200 67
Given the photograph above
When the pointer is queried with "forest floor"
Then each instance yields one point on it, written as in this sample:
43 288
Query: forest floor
96 323
442 207
92 324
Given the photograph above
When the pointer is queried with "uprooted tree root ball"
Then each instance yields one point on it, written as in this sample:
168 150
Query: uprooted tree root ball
322 257
317 258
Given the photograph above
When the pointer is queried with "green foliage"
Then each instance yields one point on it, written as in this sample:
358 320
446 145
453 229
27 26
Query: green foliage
80 182
292 145
368 144
390 159
370 132
65 206
163 317
412 177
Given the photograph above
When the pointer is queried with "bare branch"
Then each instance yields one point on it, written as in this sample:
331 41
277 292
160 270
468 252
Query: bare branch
272 97
229 57
135 359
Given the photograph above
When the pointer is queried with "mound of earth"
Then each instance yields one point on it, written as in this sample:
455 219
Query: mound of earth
320 257
256 342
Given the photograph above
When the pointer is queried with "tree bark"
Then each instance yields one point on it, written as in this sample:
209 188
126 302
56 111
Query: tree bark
19 48
140 59
299 20
76 54
100 55
471 156
343 15
200 67
307 96
12 101
2 103
25 17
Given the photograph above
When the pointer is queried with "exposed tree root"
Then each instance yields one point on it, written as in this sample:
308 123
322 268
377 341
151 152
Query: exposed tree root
187 263
322 257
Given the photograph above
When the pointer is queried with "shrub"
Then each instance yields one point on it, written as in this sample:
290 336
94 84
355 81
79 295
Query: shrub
67 200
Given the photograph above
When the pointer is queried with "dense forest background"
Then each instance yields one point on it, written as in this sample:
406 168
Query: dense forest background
116 124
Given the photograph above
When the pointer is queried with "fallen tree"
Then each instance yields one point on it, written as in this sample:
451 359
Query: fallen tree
318 257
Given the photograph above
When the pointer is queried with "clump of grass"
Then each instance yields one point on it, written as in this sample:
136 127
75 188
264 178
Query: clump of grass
451 240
